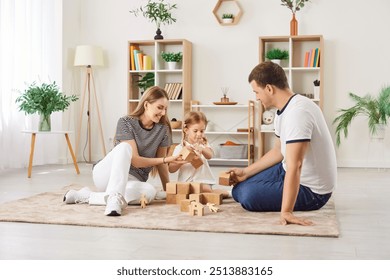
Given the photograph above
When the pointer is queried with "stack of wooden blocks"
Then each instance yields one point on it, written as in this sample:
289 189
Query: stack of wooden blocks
184 193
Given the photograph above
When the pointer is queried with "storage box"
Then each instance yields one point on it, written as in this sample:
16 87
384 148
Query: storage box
233 151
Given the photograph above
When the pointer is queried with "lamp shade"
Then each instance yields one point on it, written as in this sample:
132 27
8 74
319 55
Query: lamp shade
88 55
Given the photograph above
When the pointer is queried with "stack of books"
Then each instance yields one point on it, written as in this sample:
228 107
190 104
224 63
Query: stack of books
139 60
174 90
312 58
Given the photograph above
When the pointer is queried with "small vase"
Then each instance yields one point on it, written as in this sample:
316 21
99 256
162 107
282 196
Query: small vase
293 26
44 122
276 61
158 35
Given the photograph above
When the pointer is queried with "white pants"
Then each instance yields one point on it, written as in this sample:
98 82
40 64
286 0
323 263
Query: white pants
111 175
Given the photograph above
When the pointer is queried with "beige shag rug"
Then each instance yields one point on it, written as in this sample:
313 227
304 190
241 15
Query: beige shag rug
48 208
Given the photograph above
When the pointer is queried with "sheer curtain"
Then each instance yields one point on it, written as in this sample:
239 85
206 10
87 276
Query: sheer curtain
30 50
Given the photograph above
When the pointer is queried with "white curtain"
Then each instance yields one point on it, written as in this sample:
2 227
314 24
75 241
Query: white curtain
30 50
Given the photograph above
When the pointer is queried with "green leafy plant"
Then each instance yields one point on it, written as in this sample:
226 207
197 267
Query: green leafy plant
227 16
44 99
294 6
172 56
146 81
157 11
377 110
277 54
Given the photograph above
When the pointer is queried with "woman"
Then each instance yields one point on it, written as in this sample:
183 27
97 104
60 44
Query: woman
141 143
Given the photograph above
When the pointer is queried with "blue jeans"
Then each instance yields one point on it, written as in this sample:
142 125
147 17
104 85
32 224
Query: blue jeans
263 192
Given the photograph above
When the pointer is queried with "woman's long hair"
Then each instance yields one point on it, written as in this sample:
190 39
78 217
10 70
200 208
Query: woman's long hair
151 95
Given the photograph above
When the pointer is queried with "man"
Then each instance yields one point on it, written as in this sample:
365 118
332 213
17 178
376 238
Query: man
299 172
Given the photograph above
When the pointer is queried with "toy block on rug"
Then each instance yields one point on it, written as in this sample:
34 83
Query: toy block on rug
143 201
196 208
212 207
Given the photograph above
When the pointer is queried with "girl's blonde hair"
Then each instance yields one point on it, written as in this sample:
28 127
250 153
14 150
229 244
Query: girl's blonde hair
193 117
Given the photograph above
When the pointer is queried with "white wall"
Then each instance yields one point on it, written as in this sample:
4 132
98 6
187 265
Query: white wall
354 33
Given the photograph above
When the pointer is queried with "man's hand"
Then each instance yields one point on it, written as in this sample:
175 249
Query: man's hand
237 175
289 218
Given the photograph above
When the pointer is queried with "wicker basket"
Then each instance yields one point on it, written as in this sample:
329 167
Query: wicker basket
176 124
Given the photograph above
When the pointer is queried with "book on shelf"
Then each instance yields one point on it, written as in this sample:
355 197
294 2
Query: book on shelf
132 60
140 60
312 58
147 62
173 90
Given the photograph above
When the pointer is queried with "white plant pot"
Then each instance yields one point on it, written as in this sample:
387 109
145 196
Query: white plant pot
172 65
227 20
276 61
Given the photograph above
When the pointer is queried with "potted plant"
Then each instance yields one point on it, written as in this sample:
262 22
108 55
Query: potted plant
276 55
145 82
158 12
172 58
44 99
377 109
227 18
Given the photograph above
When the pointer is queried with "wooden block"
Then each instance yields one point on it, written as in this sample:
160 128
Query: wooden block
183 188
171 188
196 208
224 178
197 162
185 205
180 197
214 198
171 198
187 154
196 197
196 187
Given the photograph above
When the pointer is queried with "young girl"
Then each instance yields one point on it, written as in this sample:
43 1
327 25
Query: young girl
141 143
193 138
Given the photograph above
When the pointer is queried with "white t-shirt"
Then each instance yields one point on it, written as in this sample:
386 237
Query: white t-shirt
302 120
188 173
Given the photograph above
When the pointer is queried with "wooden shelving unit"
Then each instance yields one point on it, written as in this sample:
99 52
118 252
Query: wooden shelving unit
162 74
300 78
220 131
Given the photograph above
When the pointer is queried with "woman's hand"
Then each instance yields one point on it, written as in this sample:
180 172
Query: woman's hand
174 159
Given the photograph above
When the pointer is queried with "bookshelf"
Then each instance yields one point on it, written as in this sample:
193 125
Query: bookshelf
218 131
179 81
300 77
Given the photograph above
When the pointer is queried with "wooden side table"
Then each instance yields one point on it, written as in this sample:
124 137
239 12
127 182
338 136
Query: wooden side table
33 136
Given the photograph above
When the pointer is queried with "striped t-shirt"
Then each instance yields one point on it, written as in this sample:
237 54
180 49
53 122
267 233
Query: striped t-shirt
148 141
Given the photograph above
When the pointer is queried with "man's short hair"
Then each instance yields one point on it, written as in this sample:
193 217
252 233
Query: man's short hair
269 73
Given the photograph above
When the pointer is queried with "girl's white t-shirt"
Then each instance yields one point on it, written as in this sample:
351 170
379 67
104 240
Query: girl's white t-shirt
187 173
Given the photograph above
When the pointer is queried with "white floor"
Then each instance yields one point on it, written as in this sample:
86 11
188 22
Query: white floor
362 199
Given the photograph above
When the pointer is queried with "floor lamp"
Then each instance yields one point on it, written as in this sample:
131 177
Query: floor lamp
89 56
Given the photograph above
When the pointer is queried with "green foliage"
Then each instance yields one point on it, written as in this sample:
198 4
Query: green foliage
146 81
44 99
156 11
294 7
227 16
172 56
376 109
277 54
